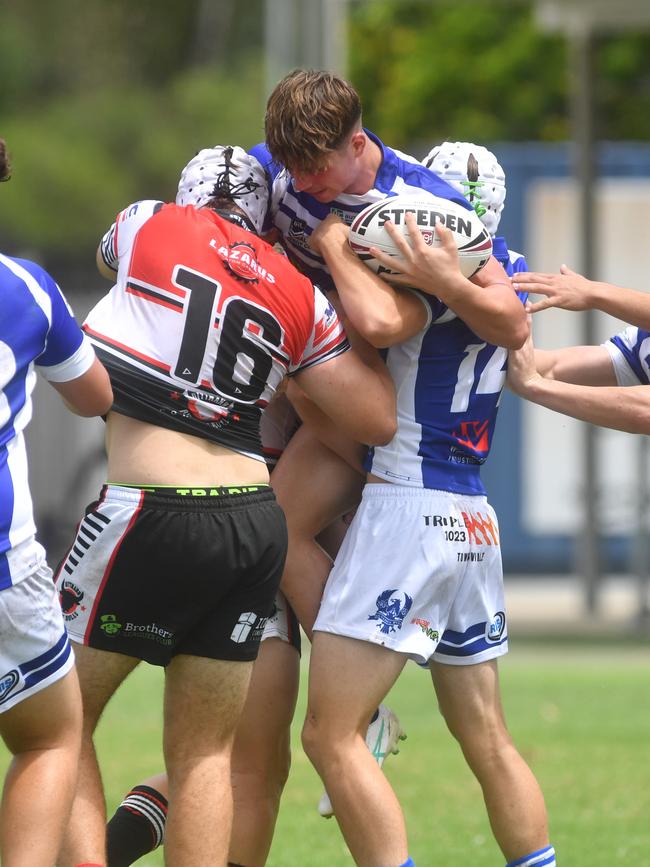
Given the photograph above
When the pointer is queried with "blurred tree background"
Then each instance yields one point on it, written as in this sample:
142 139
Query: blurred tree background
103 101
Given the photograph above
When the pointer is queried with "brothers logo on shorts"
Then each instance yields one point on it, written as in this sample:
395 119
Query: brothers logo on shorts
392 608
70 599
496 627
249 627
7 683
109 624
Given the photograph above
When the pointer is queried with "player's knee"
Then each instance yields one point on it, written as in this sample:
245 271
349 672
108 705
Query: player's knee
312 739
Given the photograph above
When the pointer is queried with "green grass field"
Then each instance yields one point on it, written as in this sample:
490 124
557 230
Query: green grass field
579 713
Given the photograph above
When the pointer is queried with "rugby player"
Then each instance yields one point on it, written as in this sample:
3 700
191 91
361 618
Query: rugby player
180 558
40 704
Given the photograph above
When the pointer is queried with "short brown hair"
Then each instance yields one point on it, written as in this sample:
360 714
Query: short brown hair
309 114
5 168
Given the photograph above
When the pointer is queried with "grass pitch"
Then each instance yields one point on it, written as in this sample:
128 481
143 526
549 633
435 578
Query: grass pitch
579 713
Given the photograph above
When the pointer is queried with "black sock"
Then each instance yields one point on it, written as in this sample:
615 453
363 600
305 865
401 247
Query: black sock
137 827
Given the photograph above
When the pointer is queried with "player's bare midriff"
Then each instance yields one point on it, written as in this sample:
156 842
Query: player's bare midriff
144 454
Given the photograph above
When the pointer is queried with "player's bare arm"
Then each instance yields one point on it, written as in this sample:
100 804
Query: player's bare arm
571 291
496 315
582 365
89 394
382 314
625 409
359 398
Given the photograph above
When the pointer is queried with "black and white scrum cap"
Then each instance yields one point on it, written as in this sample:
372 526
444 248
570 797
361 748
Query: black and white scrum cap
229 173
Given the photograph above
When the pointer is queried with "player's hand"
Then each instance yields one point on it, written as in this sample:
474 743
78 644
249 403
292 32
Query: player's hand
568 289
429 268
522 372
332 230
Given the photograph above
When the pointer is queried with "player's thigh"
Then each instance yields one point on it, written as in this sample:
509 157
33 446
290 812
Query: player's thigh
204 699
469 699
264 727
49 719
313 484
348 679
100 674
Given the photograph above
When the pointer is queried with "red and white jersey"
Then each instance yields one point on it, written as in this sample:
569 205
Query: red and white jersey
204 322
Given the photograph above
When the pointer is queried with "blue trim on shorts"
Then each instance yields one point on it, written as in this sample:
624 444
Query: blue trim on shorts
468 643
36 670
44 658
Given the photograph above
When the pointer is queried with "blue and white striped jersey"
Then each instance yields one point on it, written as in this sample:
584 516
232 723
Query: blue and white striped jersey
37 329
296 214
449 385
630 354
448 380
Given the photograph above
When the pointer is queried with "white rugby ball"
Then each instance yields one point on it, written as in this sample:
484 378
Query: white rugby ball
368 230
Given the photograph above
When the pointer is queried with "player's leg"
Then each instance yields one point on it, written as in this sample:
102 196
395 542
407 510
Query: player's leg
40 720
469 699
261 753
204 699
314 486
100 674
138 825
260 760
347 681
43 732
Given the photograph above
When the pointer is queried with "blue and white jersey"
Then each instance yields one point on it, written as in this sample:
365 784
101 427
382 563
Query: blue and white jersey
37 329
449 384
513 263
630 354
296 214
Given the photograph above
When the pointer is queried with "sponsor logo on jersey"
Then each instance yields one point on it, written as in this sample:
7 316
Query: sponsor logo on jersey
473 435
70 599
249 627
346 216
240 259
496 627
8 682
392 608
425 626
297 233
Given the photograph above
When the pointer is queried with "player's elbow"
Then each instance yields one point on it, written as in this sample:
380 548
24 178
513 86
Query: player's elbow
515 331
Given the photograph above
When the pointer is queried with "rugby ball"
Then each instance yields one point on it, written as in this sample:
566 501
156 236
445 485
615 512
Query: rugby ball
368 230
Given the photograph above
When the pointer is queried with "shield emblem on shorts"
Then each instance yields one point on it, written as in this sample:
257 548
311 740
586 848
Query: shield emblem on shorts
392 608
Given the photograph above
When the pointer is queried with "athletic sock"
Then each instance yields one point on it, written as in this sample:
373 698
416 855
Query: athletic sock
137 827
542 858
409 863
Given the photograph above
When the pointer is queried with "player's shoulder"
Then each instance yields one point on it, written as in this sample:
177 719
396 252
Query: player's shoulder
16 272
400 173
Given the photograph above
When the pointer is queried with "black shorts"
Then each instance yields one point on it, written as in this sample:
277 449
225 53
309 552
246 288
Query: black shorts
155 573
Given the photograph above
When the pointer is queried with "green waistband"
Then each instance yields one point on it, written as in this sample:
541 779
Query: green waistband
217 491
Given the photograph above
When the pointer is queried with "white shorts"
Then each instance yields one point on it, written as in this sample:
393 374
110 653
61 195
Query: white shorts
420 573
282 623
34 648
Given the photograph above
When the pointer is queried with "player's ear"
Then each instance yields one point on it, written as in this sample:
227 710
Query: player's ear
358 142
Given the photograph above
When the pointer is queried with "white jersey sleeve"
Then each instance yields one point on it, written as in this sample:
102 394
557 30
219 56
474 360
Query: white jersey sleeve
327 339
119 237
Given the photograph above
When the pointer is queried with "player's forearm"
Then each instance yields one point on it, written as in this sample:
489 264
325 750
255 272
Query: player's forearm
630 305
370 304
625 409
493 312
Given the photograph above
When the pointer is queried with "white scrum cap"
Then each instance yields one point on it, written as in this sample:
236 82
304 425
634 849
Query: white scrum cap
475 172
227 172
